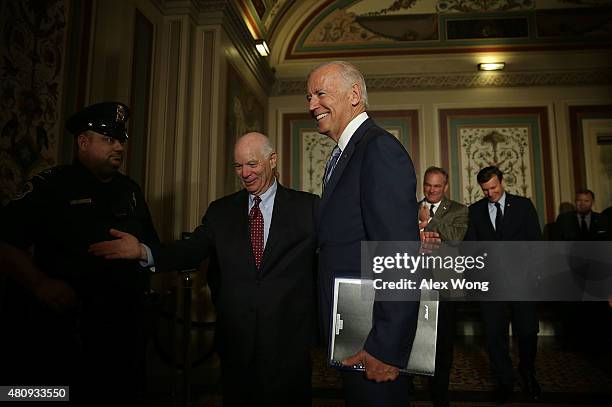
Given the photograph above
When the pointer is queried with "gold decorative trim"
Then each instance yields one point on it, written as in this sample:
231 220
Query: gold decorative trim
471 80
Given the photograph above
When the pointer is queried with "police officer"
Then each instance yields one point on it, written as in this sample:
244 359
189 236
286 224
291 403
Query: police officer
70 318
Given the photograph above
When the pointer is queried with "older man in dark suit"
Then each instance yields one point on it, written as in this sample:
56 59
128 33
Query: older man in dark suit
264 241
369 195
501 216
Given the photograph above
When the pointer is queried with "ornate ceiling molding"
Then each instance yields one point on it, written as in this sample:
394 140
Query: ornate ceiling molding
226 14
425 27
243 41
468 80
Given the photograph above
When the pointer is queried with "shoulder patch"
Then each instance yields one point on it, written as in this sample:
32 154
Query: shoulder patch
27 188
43 179
48 173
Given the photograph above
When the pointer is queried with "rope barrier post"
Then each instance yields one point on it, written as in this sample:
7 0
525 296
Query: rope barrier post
187 285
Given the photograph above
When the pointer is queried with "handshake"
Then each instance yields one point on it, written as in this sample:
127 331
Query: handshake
430 241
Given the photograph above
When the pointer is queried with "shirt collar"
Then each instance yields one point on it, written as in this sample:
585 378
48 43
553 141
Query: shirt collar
436 205
350 130
502 201
587 216
267 198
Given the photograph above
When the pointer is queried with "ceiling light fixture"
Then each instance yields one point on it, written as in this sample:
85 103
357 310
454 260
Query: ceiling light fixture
262 48
492 66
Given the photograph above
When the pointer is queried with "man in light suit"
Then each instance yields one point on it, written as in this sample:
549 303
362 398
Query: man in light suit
501 216
445 220
264 242
369 195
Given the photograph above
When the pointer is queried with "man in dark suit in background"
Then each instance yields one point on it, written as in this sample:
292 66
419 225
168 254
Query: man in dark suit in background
586 324
444 220
501 216
583 223
369 195
264 242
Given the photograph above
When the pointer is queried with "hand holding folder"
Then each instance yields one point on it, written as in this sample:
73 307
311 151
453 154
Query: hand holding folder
375 369
352 321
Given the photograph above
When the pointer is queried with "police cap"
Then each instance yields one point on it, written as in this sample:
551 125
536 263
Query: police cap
108 118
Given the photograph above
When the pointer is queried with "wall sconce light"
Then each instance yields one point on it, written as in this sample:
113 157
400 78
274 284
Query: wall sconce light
262 48
492 66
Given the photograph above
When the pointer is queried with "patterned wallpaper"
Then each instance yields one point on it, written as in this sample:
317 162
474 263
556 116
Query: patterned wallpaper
509 147
516 139
33 38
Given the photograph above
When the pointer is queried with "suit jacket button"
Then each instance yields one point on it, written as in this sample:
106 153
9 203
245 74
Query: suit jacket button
318 250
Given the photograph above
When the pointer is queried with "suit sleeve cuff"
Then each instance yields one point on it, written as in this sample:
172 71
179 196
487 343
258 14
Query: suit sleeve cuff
150 261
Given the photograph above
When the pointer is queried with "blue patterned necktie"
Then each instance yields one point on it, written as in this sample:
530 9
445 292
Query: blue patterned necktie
331 164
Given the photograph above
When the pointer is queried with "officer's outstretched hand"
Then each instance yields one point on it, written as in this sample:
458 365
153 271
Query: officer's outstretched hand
126 246
54 293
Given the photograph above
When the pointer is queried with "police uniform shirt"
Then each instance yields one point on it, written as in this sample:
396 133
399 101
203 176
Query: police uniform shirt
64 210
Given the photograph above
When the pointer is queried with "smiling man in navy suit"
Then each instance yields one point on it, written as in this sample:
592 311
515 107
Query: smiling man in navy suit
369 195
501 216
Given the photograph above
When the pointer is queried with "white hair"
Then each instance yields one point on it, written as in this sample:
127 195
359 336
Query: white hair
350 74
266 146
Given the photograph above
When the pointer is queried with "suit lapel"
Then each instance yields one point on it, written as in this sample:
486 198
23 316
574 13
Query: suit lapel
343 162
576 226
442 208
242 236
487 217
508 211
278 224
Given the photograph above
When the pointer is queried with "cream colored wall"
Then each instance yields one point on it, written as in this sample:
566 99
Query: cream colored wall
230 55
556 99
111 46
187 153
175 184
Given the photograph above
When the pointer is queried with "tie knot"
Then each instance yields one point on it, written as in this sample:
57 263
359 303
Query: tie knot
256 200
331 164
582 216
336 151
497 205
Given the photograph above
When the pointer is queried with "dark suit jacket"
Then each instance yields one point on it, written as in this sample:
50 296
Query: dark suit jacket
520 221
567 227
508 265
371 195
270 312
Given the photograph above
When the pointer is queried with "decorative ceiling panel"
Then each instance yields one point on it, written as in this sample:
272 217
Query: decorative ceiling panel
377 27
